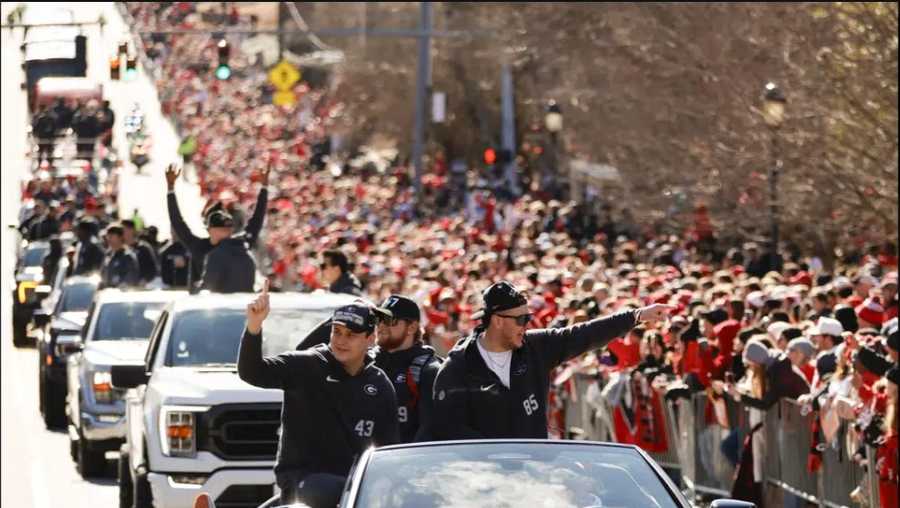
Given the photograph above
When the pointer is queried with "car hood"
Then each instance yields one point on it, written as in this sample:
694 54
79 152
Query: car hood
211 386
115 352
69 321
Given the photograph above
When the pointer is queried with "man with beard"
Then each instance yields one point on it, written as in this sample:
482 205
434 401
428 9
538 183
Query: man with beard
409 364
494 383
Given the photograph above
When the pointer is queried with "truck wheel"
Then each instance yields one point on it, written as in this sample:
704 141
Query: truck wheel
143 497
90 462
126 488
53 405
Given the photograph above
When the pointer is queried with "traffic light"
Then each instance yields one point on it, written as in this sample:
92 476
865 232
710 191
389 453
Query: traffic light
490 156
131 67
223 71
114 68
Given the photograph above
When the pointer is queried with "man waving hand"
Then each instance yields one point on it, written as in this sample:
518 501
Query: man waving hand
494 383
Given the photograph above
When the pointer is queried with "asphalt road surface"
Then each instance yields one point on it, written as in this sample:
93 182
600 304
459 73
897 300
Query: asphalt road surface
36 468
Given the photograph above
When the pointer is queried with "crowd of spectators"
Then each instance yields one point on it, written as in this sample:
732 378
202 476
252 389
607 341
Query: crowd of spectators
741 329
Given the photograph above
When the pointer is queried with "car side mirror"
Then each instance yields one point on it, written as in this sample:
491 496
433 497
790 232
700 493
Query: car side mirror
128 376
69 344
731 503
41 319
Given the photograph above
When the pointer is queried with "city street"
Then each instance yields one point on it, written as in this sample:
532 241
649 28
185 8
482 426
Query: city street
36 468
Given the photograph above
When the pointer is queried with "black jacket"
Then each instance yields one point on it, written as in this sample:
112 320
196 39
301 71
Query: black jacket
470 402
88 257
328 416
120 268
171 274
43 228
230 268
346 283
415 405
200 247
147 264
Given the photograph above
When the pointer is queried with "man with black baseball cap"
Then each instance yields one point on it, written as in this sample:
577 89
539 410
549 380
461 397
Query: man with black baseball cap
494 383
229 272
409 364
336 401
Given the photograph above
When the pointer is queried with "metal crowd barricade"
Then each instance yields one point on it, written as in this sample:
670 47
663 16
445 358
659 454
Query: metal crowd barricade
705 468
872 477
788 435
695 448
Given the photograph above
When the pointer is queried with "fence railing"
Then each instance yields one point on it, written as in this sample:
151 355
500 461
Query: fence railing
696 451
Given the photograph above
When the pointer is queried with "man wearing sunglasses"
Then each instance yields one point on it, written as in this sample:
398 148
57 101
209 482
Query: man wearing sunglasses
494 383
409 364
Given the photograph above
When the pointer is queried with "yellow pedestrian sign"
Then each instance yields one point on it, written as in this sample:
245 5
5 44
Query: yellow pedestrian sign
284 75
284 98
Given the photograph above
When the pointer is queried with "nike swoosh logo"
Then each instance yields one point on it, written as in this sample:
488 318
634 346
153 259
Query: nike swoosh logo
488 387
332 380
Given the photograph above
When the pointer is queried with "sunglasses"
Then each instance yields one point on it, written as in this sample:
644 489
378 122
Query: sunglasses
522 320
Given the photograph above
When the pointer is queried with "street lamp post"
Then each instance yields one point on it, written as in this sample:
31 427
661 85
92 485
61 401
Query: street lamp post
773 114
553 122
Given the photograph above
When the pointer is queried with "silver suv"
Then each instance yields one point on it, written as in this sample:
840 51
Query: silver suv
115 333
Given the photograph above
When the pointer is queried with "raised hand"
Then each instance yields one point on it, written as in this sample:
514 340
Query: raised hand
258 309
172 175
265 173
655 312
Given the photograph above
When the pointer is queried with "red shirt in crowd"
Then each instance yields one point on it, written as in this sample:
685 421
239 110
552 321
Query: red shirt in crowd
629 355
886 466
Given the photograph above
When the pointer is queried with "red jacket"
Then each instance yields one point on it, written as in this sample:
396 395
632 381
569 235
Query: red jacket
886 459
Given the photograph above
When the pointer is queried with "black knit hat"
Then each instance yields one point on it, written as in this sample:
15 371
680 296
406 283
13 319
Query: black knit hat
872 361
847 316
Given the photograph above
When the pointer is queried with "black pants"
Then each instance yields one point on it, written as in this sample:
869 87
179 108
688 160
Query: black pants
318 490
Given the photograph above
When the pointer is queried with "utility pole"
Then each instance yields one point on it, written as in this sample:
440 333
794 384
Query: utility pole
423 78
281 17
508 134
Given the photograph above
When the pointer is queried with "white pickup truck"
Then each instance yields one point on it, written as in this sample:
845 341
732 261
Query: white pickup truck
192 425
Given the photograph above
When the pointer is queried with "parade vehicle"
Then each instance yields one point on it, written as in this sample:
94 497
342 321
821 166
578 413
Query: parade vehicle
53 58
28 289
61 318
192 424
509 472
116 332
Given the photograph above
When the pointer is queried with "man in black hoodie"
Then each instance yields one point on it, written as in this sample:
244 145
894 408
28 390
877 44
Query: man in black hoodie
229 267
494 383
336 401
220 227
409 364
337 275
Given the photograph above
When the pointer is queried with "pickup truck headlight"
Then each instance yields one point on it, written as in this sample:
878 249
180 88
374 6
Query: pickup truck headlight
103 391
178 430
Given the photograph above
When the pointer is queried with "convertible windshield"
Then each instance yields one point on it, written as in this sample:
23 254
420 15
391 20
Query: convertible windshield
212 337
512 475
127 320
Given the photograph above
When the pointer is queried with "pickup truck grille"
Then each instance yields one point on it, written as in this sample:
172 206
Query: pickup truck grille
240 431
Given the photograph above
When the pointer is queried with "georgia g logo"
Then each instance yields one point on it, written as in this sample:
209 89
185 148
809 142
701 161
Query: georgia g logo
370 390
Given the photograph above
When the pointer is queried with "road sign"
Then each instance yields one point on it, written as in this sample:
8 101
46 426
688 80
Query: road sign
284 75
284 98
